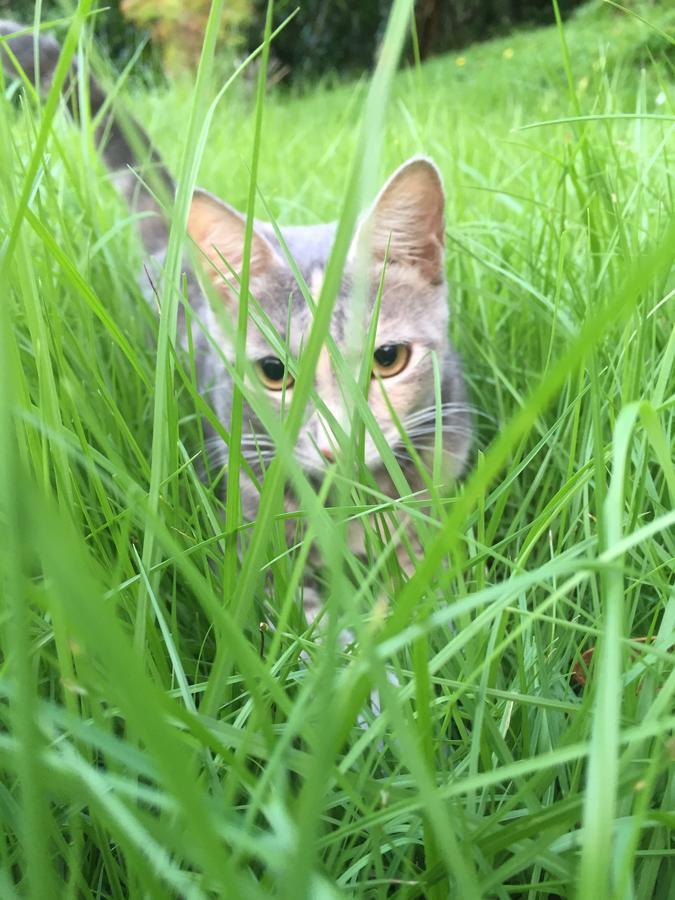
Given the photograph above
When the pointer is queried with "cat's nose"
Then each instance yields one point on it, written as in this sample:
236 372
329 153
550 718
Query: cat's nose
327 453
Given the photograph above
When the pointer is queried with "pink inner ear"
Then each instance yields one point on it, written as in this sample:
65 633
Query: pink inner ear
407 218
218 231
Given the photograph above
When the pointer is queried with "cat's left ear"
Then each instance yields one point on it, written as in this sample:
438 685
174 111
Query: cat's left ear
406 222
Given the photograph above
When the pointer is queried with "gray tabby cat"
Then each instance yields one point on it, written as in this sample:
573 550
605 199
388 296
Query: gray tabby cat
405 225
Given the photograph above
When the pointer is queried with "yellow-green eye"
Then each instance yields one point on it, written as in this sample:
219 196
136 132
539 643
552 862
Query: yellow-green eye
390 359
273 373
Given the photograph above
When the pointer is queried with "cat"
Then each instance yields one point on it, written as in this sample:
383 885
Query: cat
405 234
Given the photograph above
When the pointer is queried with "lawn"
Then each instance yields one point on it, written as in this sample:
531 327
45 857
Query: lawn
171 727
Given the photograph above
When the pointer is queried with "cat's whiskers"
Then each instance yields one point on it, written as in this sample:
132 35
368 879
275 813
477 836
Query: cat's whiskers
431 429
430 412
424 448
261 443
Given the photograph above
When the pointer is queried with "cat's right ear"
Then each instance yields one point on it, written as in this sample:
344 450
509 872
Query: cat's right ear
218 231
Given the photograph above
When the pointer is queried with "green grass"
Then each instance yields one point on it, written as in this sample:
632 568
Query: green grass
154 741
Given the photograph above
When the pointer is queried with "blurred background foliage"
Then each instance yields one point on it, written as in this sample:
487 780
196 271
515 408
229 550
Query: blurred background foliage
176 29
340 35
326 37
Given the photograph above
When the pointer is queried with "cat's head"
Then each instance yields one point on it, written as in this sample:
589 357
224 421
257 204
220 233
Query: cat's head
401 238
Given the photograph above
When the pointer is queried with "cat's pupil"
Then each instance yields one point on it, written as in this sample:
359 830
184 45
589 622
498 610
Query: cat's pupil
386 355
272 368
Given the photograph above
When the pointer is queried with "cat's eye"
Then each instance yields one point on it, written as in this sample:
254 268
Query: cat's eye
390 359
273 373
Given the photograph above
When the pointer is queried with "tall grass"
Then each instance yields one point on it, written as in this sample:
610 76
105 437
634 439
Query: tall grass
171 726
